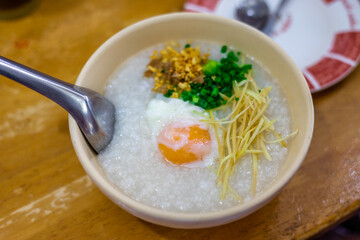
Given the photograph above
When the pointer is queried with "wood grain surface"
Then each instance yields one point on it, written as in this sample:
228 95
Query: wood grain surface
45 193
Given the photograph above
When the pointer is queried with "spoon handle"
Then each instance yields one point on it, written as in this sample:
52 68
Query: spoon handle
87 107
61 92
273 18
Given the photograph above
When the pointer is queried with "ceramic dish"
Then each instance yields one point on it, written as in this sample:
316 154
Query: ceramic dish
131 40
322 36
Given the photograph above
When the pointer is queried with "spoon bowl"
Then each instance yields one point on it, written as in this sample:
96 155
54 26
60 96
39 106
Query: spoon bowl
254 13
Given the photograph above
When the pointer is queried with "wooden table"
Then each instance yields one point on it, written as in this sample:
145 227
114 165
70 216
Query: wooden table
45 193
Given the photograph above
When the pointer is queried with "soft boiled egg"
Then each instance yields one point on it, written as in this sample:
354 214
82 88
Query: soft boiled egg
180 136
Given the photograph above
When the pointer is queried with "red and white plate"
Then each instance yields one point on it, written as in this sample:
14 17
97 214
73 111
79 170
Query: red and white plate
322 36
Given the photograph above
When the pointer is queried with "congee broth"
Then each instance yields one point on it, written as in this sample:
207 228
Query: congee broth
200 127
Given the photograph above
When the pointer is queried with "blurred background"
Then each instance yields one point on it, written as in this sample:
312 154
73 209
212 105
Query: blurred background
45 193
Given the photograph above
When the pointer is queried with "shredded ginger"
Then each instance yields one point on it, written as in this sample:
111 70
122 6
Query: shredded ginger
243 132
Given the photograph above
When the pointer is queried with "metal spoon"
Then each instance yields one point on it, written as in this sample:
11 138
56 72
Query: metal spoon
94 114
256 13
253 12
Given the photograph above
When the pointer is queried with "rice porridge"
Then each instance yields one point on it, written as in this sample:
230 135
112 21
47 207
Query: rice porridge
134 160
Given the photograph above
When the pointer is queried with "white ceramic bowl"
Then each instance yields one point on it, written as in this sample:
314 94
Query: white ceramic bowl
178 26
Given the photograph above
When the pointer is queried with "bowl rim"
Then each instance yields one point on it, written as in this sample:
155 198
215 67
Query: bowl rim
132 205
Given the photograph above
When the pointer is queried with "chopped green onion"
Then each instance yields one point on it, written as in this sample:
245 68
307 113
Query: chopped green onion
231 55
195 99
223 49
246 67
215 92
218 78
169 93
210 67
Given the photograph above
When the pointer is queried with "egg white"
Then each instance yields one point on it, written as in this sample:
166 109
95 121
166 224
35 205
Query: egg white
162 111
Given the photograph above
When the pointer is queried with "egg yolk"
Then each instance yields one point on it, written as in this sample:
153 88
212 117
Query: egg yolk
184 144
